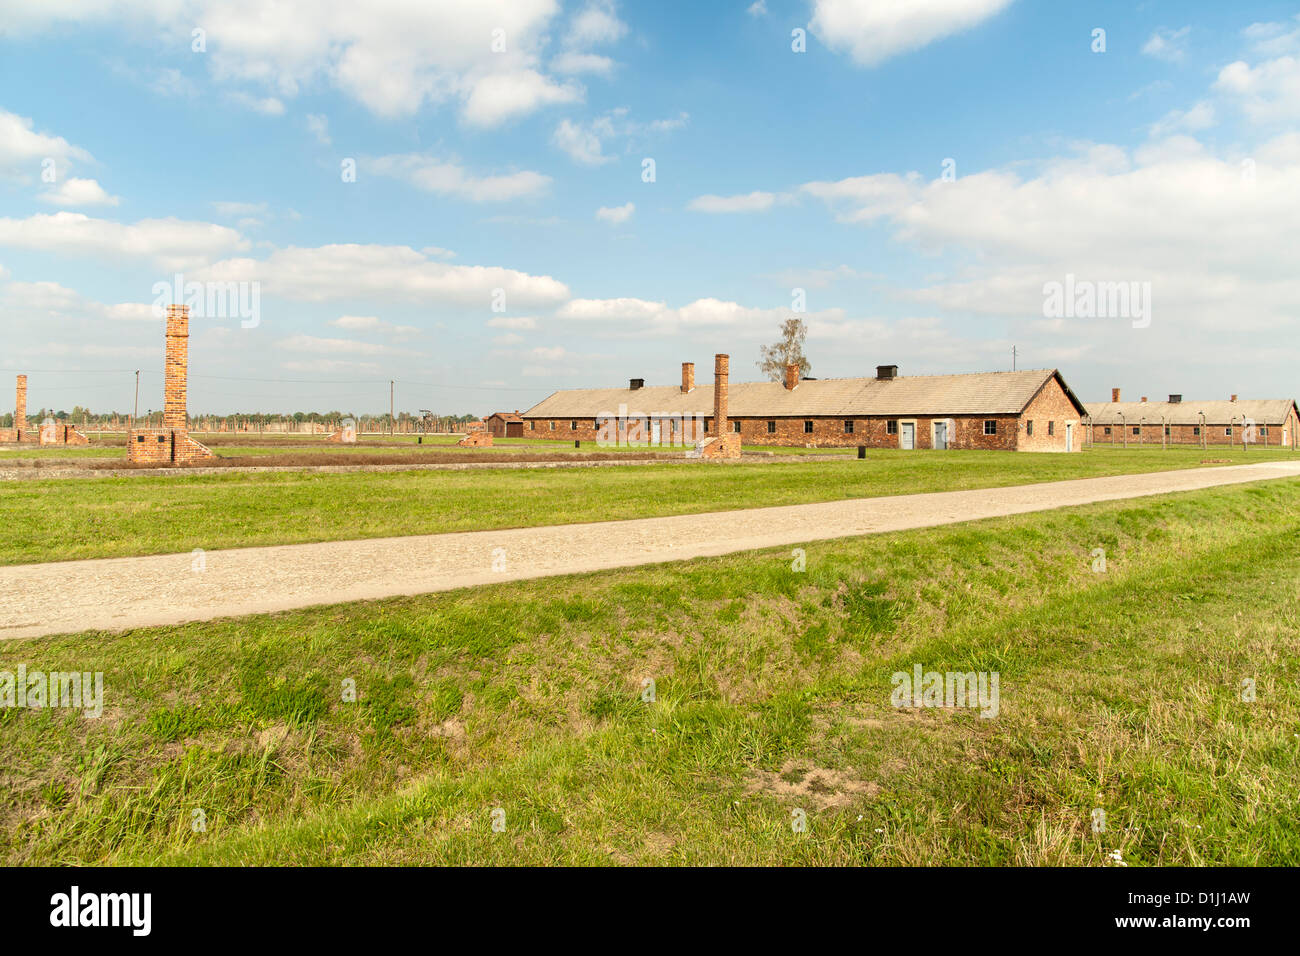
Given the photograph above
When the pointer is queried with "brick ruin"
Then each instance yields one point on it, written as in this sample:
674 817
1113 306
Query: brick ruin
170 444
49 433
722 442
345 434
476 439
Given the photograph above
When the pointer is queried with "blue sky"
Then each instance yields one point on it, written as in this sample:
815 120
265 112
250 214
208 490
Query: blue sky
513 177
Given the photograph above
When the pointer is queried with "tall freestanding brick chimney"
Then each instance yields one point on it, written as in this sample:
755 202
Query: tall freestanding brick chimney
791 375
1114 394
721 364
688 376
20 404
176 363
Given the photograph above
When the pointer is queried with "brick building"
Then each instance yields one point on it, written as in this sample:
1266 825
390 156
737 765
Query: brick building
1012 411
49 433
505 425
171 444
1270 421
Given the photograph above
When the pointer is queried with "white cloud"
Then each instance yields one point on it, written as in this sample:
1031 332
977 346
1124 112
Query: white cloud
392 56
328 365
266 105
37 301
750 202
1199 117
1108 215
22 149
448 179
707 312
1168 45
372 323
1267 93
312 343
319 126
1274 39
509 338
383 273
873 32
78 192
596 24
505 96
581 143
521 323
616 214
757 9
584 141
171 243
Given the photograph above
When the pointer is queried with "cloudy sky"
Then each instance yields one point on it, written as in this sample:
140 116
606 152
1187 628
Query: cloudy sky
487 200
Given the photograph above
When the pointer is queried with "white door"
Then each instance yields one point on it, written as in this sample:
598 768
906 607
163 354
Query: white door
654 432
907 434
1069 436
940 435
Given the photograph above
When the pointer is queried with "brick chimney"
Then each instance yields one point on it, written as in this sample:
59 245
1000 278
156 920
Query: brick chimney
1114 394
791 375
175 374
688 377
20 404
721 365
1144 399
1233 399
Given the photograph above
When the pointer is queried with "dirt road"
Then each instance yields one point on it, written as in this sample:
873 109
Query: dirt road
115 593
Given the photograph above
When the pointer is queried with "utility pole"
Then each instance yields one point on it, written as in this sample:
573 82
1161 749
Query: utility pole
136 414
392 422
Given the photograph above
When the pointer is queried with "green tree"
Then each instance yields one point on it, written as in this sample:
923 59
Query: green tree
789 351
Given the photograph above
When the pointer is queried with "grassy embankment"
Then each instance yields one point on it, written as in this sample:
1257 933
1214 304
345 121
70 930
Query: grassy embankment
1118 690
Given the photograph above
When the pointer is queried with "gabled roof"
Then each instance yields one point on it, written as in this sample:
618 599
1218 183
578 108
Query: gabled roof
974 393
1265 411
507 416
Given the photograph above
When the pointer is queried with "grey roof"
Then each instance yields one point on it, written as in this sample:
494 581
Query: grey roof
1265 411
974 393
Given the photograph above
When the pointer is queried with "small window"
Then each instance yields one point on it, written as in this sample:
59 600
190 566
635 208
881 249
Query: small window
1051 428
1196 429
807 428
708 424
1168 431
139 438
552 426
1228 430
891 427
1263 429
161 439
771 428
990 426
1137 429
532 426
1029 428
735 426
573 425
848 427
1107 429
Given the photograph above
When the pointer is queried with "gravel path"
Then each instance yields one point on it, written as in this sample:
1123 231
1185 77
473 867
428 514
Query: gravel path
116 593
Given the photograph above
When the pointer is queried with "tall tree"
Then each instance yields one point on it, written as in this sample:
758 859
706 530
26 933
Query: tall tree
789 351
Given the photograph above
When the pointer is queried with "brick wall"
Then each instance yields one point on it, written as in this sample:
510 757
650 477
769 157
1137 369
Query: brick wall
479 439
1147 434
164 446
1050 411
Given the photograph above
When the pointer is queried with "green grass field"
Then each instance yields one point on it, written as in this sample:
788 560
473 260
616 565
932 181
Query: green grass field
1119 691
137 514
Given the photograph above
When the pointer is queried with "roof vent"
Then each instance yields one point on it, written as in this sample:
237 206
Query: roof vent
636 383
1175 399
886 372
